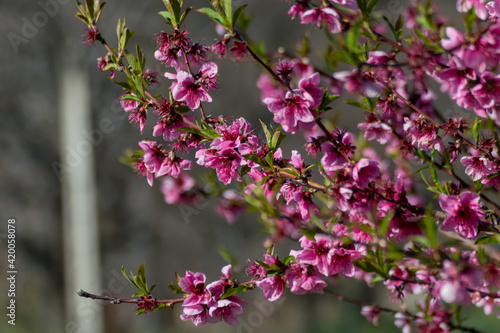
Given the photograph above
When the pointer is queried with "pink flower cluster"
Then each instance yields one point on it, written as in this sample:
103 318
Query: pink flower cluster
206 304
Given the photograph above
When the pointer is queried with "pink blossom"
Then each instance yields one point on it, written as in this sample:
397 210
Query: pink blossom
311 90
327 255
194 90
356 82
298 8
337 151
303 279
153 155
371 313
194 285
375 129
272 286
478 166
464 213
137 113
364 172
268 88
455 39
487 92
175 189
239 49
226 161
423 134
198 314
231 206
494 8
322 15
463 6
173 165
403 322
291 111
227 309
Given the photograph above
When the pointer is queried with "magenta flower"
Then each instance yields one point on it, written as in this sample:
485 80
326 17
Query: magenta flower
185 90
375 129
239 49
291 111
494 8
175 189
303 279
298 8
463 6
198 314
227 309
364 172
194 285
194 90
311 90
464 213
231 206
322 15
172 166
423 134
326 255
268 88
225 161
478 167
487 92
371 313
454 41
153 155
137 113
272 286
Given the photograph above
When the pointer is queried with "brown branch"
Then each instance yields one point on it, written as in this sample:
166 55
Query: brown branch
118 300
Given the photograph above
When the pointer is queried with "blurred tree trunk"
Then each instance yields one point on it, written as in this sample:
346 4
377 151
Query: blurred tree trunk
79 206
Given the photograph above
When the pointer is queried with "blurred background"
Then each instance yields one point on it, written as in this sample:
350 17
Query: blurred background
42 62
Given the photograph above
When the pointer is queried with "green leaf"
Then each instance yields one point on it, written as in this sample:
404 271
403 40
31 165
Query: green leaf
384 224
357 103
369 8
227 256
166 15
488 239
352 38
277 139
237 13
327 100
475 129
270 159
129 97
174 8
228 11
234 291
175 289
183 16
434 176
214 16
99 10
288 259
362 5
308 233
430 227
267 133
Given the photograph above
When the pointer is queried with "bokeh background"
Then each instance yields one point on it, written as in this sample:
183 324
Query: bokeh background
134 223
